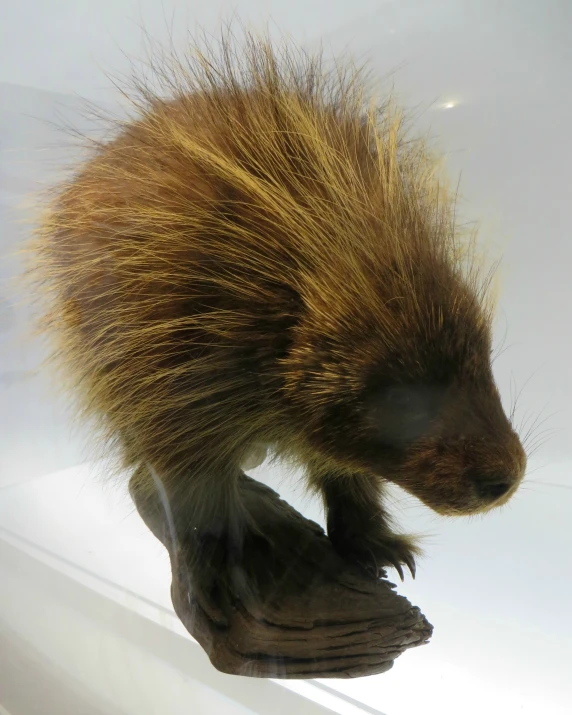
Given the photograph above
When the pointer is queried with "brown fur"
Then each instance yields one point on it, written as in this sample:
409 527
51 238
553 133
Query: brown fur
265 257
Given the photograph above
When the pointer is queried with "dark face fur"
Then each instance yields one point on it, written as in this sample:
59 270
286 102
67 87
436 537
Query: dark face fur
447 443
421 410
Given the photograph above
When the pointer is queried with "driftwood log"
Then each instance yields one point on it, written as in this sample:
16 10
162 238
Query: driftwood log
317 618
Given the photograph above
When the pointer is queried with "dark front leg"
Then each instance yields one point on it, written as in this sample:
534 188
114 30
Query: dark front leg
360 528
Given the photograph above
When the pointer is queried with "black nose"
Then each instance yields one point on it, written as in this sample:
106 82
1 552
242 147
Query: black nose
492 489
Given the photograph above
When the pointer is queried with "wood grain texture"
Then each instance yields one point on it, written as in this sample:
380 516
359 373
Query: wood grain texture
315 616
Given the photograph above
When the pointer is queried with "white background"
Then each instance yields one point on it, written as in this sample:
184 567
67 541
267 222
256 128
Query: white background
497 589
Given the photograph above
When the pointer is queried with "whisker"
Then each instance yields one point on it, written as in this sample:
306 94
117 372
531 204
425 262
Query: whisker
537 424
553 485
542 437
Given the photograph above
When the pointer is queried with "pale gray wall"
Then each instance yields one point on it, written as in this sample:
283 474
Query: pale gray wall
507 65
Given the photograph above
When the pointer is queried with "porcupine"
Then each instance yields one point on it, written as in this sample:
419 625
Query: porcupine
264 256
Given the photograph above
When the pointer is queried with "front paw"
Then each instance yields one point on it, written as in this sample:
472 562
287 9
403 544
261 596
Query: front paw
374 551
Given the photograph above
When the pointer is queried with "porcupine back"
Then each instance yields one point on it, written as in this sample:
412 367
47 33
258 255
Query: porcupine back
253 189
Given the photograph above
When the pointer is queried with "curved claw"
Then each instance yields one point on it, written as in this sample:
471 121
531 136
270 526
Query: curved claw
397 566
370 566
374 554
410 563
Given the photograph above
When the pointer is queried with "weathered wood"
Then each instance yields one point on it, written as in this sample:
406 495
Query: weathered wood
317 616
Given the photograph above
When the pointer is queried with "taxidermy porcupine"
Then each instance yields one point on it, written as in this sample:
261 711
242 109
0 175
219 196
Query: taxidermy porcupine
263 257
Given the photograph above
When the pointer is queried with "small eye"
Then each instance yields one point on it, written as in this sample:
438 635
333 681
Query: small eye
398 397
407 404
399 414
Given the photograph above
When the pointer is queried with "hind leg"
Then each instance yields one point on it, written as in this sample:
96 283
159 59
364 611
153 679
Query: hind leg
359 526
213 541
